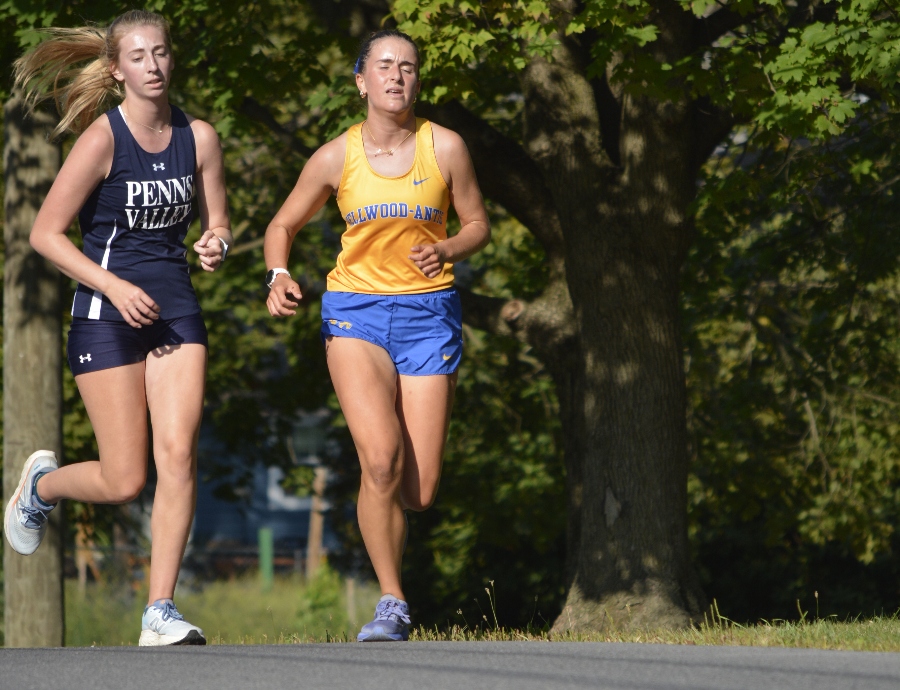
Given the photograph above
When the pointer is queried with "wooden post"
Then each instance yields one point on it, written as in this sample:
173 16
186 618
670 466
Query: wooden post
32 372
316 523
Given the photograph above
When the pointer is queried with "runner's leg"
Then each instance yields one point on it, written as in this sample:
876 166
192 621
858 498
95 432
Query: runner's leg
175 380
365 381
116 405
423 406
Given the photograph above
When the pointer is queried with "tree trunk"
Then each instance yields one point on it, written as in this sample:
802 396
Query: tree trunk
632 565
626 230
32 374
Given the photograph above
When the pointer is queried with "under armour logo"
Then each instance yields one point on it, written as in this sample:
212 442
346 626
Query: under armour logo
84 358
159 166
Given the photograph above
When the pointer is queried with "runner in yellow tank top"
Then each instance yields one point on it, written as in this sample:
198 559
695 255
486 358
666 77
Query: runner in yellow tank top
391 318
386 216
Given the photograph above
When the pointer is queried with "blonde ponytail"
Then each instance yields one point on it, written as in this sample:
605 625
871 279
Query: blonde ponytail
72 66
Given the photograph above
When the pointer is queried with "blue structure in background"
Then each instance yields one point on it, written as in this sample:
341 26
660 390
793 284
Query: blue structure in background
237 523
221 524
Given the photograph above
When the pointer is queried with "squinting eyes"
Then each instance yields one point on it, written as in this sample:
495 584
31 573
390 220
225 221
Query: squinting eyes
157 56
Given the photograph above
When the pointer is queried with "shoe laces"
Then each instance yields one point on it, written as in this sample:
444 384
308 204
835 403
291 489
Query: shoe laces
391 609
168 612
33 518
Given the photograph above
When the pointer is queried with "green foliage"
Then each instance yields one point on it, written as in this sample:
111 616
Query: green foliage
809 74
793 371
457 38
299 480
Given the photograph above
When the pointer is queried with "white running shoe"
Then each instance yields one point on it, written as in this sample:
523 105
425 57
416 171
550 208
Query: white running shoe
162 625
26 515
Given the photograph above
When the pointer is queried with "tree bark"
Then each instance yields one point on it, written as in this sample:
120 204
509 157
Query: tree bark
32 373
626 230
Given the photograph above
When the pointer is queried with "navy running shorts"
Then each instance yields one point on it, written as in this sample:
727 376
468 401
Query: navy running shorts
421 333
95 345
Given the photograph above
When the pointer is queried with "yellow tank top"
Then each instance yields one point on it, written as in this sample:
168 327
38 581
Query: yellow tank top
386 217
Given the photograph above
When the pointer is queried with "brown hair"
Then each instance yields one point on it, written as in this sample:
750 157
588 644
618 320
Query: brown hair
366 47
55 68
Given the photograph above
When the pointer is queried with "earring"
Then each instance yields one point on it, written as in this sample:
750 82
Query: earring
362 94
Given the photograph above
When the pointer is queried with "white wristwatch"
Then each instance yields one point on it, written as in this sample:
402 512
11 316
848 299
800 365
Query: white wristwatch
224 248
273 273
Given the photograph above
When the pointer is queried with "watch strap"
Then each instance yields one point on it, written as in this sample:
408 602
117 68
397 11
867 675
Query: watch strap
274 273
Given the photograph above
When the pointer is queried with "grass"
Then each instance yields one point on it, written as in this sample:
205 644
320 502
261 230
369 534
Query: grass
230 612
877 634
295 611
880 634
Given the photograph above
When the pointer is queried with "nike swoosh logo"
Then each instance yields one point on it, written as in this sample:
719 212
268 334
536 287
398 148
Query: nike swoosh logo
446 357
418 182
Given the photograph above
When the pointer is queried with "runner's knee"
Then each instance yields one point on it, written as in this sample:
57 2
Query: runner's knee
125 489
175 463
381 469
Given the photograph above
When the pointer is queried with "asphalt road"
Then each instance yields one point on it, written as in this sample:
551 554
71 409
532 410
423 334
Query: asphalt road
421 665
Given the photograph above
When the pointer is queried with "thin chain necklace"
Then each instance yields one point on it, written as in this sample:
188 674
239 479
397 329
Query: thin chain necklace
381 149
153 129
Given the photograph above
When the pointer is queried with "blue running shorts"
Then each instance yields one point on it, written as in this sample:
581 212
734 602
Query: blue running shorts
94 345
421 333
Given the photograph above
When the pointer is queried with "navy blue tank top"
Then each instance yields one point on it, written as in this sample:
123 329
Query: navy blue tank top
135 221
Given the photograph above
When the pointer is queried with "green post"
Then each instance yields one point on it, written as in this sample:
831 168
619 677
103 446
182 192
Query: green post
266 554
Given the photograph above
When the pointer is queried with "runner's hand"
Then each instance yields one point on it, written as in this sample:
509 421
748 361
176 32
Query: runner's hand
211 251
136 306
429 258
284 296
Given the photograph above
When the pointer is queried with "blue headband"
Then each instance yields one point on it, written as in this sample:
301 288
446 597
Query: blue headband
356 66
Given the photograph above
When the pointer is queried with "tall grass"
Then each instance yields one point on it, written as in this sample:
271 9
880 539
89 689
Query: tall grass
230 612
296 611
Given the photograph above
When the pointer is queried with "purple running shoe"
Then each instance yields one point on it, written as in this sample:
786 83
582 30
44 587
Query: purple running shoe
390 624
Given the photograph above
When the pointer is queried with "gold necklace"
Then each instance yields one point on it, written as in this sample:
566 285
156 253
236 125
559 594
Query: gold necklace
380 149
153 129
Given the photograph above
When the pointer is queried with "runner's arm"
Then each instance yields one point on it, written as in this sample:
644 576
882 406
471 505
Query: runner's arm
465 195
320 178
212 201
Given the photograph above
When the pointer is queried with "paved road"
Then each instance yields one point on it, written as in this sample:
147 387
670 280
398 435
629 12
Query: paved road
457 665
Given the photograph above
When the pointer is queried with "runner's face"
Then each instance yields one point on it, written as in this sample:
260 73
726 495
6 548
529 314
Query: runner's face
145 62
390 78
